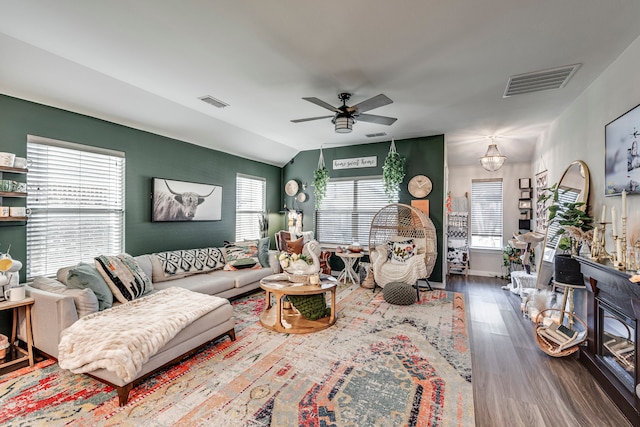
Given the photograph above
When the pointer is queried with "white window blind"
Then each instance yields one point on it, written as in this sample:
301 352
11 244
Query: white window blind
348 208
486 214
250 204
76 197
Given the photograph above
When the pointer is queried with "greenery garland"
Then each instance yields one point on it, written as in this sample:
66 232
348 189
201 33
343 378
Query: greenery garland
393 172
320 179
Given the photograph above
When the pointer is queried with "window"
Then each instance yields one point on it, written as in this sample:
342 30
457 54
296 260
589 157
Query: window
76 197
348 208
486 214
250 204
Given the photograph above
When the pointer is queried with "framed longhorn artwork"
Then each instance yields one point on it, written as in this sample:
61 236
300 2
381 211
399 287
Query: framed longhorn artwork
185 201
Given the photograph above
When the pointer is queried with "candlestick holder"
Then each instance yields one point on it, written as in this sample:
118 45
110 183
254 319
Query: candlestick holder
602 254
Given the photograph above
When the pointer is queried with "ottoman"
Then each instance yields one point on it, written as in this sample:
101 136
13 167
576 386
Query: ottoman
399 293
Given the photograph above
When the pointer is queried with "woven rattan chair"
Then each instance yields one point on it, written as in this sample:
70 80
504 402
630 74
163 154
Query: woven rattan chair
397 222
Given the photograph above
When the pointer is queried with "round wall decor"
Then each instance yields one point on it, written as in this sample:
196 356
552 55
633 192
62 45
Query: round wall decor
291 187
420 186
302 197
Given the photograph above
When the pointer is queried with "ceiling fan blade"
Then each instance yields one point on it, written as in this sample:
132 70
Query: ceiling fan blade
309 119
371 103
372 118
322 104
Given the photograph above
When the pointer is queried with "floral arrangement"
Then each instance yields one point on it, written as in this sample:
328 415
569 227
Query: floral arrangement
286 259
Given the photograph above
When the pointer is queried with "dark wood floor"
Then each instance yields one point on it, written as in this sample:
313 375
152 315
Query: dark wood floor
514 382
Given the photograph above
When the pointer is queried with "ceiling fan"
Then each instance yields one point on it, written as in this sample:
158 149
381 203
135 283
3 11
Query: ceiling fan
346 116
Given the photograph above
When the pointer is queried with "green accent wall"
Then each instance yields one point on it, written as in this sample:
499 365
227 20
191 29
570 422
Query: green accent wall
424 156
147 156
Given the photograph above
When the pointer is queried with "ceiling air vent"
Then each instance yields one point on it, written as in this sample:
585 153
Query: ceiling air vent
213 101
375 135
537 81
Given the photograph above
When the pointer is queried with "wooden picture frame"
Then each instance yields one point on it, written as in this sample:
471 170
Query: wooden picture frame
525 183
524 204
185 201
526 194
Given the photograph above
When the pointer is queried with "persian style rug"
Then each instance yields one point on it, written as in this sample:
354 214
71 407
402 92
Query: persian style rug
379 365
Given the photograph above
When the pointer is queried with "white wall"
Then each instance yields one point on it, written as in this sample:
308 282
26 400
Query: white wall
578 134
488 262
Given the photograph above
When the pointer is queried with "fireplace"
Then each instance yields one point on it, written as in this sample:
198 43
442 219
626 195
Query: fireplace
611 352
617 338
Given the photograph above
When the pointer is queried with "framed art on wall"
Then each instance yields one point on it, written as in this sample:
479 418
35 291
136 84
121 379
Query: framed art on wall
622 155
525 183
185 201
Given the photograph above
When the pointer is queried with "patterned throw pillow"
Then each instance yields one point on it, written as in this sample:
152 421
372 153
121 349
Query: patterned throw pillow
181 263
124 276
240 255
402 251
397 239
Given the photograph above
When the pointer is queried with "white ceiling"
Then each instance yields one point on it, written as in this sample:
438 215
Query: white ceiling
445 64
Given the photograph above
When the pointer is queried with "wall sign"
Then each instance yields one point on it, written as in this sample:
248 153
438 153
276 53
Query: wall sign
356 162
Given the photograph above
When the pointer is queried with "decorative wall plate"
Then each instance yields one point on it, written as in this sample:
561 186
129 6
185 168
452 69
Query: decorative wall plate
302 197
291 187
420 186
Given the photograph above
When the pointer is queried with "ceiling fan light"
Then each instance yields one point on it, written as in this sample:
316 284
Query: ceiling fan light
492 160
344 124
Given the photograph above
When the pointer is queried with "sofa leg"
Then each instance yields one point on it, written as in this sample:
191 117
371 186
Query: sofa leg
232 334
123 393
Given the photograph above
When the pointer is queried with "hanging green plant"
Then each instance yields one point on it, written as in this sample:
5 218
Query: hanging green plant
393 172
320 179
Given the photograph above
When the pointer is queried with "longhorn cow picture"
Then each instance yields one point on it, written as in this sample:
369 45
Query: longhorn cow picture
185 201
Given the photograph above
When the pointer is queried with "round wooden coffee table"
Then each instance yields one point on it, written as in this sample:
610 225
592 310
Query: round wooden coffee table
289 320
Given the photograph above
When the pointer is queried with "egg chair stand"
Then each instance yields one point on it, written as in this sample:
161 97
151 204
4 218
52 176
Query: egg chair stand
395 223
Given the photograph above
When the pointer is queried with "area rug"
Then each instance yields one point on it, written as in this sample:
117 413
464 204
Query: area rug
379 365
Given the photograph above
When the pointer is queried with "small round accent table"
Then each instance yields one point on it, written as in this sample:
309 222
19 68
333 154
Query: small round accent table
349 259
288 320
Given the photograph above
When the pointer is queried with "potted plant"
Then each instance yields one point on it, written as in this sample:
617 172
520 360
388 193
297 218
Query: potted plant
574 230
320 179
392 172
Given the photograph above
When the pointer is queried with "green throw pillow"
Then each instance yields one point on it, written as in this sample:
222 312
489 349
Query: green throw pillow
263 251
312 307
86 275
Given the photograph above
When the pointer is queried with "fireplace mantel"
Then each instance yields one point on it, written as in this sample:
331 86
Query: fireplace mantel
610 290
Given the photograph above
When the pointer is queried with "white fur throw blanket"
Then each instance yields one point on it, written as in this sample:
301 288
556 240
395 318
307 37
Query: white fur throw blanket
122 338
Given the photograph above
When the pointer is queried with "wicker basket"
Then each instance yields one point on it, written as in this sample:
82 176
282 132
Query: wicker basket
550 347
297 278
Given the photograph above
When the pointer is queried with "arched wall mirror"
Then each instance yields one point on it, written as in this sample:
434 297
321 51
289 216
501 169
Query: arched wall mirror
573 187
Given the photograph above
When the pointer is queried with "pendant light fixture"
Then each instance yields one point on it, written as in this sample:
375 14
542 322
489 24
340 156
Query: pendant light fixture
492 160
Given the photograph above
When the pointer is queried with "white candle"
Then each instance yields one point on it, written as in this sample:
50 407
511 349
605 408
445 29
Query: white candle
619 249
603 218
614 221
595 235
624 203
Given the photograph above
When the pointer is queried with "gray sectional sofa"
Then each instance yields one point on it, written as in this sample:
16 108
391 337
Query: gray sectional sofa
53 312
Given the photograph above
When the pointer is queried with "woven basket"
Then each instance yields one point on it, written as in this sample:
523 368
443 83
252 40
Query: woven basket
551 348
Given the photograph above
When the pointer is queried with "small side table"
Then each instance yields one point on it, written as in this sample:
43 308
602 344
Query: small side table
349 259
28 353
567 296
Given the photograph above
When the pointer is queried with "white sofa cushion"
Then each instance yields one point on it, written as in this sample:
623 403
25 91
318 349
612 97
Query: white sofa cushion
85 300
